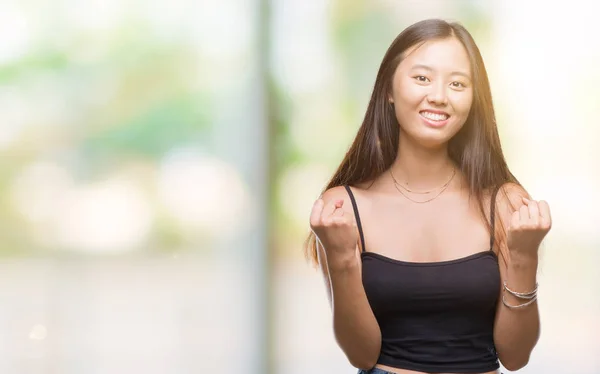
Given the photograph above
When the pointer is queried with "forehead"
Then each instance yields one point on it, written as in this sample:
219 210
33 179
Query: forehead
440 54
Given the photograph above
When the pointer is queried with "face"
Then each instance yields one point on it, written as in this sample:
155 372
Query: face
432 91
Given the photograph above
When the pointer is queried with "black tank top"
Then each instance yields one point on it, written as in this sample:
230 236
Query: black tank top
434 316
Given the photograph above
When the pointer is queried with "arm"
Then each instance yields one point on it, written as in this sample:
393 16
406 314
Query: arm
516 331
355 328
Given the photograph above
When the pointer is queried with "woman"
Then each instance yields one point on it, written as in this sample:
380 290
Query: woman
427 242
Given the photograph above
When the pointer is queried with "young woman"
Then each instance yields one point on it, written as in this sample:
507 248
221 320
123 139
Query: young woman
427 242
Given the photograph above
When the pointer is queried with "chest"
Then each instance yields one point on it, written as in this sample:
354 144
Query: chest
471 283
452 227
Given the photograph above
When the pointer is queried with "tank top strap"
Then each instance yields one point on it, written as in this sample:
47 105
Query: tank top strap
357 217
493 217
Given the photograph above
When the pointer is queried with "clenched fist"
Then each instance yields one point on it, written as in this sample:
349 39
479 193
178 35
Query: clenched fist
528 227
334 228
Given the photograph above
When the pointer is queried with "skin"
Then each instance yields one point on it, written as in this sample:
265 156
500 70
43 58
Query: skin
433 76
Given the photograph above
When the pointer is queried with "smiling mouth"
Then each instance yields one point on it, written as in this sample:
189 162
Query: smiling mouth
438 117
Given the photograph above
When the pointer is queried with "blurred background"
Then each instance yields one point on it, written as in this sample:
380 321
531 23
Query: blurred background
160 159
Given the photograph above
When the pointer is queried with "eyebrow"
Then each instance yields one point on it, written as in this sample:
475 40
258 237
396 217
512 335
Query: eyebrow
429 68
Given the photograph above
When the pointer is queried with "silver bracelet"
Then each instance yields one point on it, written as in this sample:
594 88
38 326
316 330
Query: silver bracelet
520 305
522 295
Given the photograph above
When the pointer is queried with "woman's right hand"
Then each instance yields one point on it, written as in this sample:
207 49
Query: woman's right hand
335 229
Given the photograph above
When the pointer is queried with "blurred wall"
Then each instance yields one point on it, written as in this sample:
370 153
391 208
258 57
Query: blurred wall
159 161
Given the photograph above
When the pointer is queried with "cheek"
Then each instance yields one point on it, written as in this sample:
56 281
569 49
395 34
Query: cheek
410 95
462 104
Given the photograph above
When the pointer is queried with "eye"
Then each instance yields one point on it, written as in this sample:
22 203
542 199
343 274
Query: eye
457 85
421 78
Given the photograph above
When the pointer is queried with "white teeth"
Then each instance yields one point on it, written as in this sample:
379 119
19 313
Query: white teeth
434 116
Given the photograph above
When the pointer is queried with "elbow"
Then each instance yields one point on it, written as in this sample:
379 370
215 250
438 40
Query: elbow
363 355
515 359
362 363
515 364
364 359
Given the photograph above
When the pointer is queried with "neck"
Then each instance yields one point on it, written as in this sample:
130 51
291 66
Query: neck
422 168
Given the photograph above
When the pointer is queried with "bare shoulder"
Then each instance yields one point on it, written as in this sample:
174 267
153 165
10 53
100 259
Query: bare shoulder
335 193
340 193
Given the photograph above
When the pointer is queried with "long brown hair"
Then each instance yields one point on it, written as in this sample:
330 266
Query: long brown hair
475 148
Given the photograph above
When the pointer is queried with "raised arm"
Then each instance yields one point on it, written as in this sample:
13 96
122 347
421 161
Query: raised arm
517 325
355 328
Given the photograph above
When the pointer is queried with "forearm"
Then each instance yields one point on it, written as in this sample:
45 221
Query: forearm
517 330
355 327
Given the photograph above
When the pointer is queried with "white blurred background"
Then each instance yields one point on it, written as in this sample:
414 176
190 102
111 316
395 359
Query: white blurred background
160 160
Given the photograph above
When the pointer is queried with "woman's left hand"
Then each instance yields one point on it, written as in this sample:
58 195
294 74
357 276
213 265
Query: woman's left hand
528 227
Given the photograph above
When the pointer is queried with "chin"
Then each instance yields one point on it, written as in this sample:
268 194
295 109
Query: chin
430 141
428 137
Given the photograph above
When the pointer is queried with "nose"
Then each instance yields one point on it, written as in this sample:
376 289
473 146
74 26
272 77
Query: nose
437 95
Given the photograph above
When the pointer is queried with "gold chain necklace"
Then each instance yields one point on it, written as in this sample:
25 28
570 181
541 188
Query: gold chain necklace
443 188
424 192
